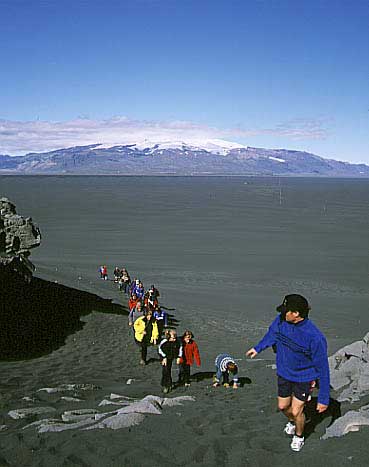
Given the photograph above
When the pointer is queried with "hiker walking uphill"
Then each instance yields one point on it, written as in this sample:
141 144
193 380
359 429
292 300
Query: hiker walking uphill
146 333
301 360
190 355
170 349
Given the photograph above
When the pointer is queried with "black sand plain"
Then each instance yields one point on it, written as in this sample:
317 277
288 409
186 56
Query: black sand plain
223 252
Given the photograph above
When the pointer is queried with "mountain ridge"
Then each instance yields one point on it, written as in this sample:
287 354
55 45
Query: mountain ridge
212 157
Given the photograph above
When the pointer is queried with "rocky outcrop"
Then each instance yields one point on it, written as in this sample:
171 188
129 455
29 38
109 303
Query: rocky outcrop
18 235
130 412
349 372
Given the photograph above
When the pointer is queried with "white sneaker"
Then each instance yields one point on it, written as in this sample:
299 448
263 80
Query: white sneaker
290 428
297 443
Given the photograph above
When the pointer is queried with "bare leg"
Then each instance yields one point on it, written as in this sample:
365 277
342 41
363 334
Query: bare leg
284 405
297 410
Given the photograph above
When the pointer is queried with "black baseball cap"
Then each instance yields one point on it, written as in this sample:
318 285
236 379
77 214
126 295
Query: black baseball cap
294 302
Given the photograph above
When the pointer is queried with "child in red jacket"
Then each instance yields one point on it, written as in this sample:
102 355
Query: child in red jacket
189 355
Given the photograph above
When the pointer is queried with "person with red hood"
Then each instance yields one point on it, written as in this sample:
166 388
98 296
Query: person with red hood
190 355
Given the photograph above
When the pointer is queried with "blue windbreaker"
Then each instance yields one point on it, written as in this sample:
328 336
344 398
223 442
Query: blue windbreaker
301 353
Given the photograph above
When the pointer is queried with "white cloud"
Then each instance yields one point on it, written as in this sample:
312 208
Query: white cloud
17 137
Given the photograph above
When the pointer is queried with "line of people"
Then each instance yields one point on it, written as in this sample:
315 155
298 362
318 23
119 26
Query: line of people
301 353
150 323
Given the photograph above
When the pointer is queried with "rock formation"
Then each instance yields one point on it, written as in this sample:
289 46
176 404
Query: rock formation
130 412
349 371
17 236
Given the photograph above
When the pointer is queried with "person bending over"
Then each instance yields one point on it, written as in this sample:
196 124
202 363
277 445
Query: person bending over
226 371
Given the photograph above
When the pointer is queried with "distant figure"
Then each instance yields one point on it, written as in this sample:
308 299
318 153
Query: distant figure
301 359
103 273
132 286
150 301
190 355
162 319
154 293
117 274
146 333
140 290
170 349
135 313
226 371
125 281
132 302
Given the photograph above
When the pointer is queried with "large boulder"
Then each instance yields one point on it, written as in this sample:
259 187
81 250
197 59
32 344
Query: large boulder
18 235
349 370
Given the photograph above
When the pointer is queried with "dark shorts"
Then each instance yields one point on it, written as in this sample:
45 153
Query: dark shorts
302 391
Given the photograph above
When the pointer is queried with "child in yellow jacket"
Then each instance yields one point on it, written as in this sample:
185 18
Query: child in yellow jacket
146 333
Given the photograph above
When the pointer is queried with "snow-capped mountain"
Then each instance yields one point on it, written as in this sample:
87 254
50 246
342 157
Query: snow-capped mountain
151 157
215 146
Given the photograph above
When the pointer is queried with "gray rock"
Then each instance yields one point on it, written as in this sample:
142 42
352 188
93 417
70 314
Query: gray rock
30 412
349 370
70 399
18 235
173 401
80 414
351 421
70 387
110 402
121 420
143 406
118 396
57 427
124 417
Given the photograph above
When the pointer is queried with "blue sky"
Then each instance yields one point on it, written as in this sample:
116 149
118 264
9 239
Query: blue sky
267 73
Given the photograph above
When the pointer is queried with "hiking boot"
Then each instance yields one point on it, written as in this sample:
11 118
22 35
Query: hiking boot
142 362
166 390
297 443
187 385
290 428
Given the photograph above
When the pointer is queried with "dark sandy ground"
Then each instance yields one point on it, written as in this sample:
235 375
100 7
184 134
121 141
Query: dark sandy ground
222 264
223 427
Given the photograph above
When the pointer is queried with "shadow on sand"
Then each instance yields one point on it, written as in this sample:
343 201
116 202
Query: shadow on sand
36 318
313 418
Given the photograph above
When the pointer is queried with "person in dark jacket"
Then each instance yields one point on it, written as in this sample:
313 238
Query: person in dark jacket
301 358
170 349
162 319
190 354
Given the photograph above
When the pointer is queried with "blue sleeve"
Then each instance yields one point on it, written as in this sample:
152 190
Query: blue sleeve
270 337
320 361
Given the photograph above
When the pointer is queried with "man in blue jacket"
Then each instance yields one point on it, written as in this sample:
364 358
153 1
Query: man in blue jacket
301 360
